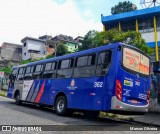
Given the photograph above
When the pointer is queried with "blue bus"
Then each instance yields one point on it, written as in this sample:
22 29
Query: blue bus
113 77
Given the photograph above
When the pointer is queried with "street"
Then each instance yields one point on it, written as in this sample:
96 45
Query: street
26 114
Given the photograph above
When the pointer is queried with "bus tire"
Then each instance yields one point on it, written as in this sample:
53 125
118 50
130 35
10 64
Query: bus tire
61 106
17 99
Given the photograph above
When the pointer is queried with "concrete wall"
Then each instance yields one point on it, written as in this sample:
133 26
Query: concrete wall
37 56
11 52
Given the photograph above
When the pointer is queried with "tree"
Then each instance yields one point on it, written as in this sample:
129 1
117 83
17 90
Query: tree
122 7
6 70
88 40
61 49
130 38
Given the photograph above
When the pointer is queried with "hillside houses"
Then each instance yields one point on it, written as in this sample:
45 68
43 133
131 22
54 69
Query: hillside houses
35 48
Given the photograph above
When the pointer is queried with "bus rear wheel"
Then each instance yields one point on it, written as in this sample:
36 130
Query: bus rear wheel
17 99
61 106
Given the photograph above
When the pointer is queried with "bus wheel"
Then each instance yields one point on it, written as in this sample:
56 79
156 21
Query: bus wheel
17 99
61 106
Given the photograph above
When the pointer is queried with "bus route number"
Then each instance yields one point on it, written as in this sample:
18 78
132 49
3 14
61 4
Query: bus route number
98 84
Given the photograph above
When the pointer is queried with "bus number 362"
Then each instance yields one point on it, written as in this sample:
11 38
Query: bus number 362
98 84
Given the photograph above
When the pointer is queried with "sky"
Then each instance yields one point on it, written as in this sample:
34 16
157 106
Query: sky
34 18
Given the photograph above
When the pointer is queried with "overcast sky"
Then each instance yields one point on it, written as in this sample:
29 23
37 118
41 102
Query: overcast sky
20 18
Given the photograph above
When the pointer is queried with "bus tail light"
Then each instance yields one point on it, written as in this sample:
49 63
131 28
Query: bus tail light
148 96
118 90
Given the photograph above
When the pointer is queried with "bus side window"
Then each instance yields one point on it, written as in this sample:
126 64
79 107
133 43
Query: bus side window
28 73
85 66
12 76
50 70
20 73
65 68
37 74
103 62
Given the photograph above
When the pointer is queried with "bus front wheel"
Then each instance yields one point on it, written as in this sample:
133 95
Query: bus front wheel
17 99
61 106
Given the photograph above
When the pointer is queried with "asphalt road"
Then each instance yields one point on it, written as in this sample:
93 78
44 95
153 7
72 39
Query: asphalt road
26 114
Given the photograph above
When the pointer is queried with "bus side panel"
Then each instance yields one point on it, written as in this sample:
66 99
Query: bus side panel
18 86
110 79
88 94
80 92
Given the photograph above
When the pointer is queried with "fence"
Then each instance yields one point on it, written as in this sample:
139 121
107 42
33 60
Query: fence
4 82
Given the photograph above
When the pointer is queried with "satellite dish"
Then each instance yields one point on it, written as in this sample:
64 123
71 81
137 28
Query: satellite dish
149 3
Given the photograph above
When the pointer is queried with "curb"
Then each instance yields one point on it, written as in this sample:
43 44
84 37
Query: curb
140 122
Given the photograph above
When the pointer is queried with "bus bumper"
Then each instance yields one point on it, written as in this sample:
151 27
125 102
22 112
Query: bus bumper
117 105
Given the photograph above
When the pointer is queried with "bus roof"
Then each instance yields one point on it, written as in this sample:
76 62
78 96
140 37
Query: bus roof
92 50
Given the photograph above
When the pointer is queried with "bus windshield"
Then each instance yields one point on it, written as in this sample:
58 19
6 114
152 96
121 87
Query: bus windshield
135 61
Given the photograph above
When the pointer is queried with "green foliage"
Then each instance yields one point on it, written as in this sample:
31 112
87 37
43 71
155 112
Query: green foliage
3 94
6 70
130 38
122 7
88 40
30 60
61 49
49 56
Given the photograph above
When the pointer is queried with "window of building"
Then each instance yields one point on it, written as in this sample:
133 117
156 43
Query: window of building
113 26
158 23
103 62
146 25
128 25
24 45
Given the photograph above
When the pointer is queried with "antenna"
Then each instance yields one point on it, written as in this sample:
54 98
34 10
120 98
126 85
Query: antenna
149 3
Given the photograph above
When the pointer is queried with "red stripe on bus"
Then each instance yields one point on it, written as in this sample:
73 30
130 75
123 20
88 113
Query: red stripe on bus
40 93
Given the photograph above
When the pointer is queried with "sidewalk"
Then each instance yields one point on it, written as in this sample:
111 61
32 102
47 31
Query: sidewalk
149 118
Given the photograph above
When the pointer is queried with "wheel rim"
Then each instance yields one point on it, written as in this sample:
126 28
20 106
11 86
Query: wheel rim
60 106
17 98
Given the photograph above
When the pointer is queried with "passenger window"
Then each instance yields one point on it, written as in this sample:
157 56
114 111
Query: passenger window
20 73
21 70
54 65
28 70
38 72
48 66
103 62
28 73
85 66
81 61
50 70
64 64
39 68
65 68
